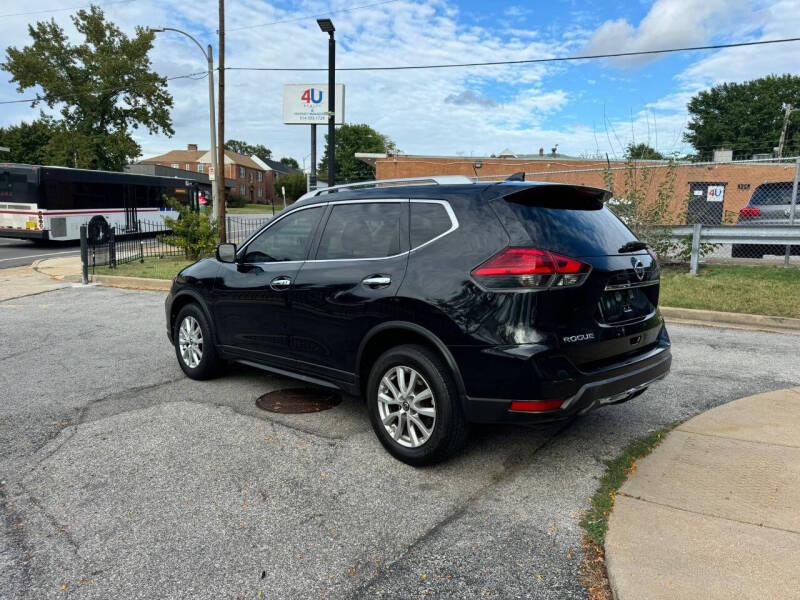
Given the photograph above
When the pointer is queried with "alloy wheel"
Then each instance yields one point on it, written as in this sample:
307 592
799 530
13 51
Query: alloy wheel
406 406
190 342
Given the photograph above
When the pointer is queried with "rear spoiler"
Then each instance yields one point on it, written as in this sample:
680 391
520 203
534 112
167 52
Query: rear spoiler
558 195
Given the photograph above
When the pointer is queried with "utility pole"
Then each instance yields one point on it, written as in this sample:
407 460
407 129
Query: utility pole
220 183
788 111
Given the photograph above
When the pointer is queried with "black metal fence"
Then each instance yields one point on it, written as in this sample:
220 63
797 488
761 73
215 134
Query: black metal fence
151 239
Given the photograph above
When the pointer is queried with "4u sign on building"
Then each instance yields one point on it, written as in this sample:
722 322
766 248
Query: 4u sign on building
307 103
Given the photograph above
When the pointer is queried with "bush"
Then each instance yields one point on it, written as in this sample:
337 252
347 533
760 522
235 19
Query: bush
196 233
236 202
295 184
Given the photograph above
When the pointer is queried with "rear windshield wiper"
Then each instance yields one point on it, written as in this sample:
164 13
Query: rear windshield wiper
633 247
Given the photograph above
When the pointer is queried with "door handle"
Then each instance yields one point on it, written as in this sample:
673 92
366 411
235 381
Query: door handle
280 284
377 281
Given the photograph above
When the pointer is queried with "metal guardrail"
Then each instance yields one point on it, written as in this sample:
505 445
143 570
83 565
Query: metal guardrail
788 235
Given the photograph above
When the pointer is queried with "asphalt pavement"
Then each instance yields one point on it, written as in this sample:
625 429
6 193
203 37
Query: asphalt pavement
19 253
122 478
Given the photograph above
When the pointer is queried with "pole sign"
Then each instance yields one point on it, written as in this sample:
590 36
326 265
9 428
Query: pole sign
307 104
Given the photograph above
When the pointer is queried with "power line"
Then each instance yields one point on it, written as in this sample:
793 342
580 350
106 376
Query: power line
196 76
526 61
52 10
303 18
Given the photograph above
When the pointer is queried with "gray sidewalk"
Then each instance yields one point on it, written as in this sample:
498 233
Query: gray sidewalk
714 512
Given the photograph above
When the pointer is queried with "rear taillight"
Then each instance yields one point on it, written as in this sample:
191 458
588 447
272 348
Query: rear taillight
530 268
750 211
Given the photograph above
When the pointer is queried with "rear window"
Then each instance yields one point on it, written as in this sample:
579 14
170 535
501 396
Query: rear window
594 231
772 194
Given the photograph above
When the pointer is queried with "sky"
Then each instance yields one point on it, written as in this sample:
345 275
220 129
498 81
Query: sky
590 107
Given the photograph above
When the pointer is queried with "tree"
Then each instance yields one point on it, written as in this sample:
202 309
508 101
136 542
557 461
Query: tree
642 152
745 117
349 140
290 162
246 149
295 184
103 87
28 142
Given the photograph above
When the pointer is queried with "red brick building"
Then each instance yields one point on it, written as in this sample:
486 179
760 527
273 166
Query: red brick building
253 178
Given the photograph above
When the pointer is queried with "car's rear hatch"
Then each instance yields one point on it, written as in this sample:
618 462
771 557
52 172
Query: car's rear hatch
612 313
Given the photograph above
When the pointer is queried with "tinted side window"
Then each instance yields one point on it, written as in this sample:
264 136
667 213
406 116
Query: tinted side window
287 240
363 231
428 220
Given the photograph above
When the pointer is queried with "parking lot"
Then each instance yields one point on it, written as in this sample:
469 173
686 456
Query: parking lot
122 478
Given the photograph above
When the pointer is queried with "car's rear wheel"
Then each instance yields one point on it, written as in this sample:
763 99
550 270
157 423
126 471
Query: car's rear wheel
194 344
414 405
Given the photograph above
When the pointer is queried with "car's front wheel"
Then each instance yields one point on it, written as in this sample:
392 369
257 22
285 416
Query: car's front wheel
414 405
194 345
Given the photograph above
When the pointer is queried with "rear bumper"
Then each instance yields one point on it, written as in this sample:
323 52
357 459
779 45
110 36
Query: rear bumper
588 392
25 234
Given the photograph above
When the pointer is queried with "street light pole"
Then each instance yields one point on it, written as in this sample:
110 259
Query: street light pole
213 128
326 25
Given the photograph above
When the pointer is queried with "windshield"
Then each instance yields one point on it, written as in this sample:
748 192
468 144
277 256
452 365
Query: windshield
18 184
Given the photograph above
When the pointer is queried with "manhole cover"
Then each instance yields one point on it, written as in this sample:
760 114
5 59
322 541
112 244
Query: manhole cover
298 400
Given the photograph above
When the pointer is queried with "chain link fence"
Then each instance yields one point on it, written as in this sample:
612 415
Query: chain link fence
658 199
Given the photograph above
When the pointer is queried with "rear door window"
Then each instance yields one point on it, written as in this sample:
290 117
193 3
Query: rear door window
364 230
429 220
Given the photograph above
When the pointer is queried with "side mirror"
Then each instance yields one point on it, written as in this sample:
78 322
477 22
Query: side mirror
226 253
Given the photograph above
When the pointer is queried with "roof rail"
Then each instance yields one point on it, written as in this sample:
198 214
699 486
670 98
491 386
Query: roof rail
435 179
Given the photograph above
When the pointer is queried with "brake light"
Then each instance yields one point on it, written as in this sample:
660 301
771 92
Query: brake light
750 211
530 268
537 406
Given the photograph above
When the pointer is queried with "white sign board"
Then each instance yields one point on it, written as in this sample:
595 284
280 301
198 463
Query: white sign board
211 173
307 103
716 193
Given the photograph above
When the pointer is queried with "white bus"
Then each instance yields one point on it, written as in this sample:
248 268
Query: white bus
51 203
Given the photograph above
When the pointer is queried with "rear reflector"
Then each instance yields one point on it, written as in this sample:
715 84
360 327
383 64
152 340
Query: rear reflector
537 406
530 268
750 211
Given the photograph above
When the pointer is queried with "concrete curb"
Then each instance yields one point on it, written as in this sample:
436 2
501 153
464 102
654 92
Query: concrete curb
133 283
714 318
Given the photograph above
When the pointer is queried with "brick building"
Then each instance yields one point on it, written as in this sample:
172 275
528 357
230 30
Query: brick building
250 177
692 181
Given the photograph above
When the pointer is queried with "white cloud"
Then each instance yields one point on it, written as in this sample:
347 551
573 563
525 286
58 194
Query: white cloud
668 24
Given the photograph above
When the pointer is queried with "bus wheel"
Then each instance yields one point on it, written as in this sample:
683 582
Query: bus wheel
98 231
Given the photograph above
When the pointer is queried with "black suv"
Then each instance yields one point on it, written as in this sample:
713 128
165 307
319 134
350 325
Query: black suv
441 302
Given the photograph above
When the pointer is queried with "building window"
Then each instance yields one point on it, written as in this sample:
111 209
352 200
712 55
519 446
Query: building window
251 177
241 191
188 167
241 172
175 166
200 167
260 192
260 176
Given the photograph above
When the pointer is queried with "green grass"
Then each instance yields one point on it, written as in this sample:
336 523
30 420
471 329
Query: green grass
595 521
249 209
151 268
729 288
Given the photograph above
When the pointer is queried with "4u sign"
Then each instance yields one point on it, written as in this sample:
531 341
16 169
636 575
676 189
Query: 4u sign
307 104
311 95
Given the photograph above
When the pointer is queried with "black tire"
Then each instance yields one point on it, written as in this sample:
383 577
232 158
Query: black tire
450 428
98 231
209 364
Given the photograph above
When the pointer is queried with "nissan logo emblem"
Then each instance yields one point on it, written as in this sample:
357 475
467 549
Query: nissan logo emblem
638 268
